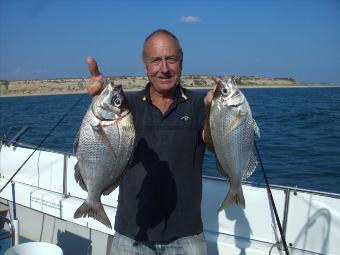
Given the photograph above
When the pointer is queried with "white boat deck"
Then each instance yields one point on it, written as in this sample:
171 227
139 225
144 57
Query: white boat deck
47 196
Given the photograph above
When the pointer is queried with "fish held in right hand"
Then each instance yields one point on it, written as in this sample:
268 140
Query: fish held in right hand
103 148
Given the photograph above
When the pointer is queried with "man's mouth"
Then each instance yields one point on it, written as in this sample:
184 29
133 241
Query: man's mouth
165 80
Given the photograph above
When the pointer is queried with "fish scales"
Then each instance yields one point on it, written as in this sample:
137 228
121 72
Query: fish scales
232 127
105 155
103 149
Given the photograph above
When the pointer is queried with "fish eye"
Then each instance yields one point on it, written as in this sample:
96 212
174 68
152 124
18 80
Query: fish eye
117 102
224 91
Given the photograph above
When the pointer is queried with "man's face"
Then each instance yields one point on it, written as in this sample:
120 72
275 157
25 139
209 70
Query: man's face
162 62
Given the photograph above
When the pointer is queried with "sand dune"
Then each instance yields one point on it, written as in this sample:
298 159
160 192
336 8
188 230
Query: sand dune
77 85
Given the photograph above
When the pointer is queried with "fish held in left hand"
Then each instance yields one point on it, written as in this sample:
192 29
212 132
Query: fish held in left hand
230 132
103 148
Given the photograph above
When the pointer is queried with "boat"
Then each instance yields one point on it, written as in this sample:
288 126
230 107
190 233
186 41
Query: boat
44 195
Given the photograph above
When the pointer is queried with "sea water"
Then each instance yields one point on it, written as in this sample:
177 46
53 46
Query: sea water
300 131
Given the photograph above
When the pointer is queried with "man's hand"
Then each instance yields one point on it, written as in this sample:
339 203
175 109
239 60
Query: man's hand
209 97
97 81
210 94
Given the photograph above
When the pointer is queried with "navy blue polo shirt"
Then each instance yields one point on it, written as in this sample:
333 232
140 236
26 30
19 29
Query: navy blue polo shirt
160 195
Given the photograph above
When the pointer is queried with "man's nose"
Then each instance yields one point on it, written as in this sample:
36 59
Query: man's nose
164 66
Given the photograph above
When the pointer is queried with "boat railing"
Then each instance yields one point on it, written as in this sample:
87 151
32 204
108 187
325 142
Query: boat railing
8 234
253 184
31 146
16 138
280 187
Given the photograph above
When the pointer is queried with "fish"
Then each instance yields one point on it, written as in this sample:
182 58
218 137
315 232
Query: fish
103 148
229 132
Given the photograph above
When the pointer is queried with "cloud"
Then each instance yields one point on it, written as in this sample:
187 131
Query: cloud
190 19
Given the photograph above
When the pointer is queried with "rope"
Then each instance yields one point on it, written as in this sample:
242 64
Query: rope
42 141
272 202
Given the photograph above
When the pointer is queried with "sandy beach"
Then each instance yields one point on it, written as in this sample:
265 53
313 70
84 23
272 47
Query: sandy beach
134 83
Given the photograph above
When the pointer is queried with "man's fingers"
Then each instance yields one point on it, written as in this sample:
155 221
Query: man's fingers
90 59
209 97
216 79
97 81
210 94
93 67
94 87
222 78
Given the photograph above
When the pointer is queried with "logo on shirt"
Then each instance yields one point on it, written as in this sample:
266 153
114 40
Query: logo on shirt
185 118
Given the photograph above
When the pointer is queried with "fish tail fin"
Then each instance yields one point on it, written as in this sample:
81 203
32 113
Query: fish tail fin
233 197
94 210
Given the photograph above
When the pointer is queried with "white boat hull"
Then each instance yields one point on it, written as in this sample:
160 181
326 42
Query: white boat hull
47 197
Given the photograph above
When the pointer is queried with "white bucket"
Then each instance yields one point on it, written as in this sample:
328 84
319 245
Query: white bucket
35 248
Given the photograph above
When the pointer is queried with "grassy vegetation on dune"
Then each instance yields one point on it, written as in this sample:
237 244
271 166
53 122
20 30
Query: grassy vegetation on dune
77 85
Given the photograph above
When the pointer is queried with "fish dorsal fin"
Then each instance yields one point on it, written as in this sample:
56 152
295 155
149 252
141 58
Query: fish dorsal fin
76 143
206 135
256 129
251 166
78 177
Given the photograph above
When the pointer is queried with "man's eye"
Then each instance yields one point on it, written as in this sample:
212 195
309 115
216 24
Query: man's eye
172 60
155 61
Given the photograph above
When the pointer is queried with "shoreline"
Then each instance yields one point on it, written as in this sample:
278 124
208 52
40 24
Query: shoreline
70 86
54 93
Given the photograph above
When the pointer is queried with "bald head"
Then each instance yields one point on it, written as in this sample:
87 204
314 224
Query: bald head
166 33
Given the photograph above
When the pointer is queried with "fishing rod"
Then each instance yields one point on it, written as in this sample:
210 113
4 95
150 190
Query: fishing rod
42 141
272 201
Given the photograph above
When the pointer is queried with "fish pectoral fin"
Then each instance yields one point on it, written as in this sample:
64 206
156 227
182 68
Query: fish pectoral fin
250 167
78 177
95 124
112 187
236 121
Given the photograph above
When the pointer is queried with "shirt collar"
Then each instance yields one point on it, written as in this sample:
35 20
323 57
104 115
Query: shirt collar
180 95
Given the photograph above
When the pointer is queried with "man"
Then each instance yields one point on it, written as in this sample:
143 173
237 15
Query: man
159 204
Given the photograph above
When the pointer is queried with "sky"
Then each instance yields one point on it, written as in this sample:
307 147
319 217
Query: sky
299 39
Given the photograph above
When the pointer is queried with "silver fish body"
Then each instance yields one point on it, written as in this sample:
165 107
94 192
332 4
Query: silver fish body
232 133
103 148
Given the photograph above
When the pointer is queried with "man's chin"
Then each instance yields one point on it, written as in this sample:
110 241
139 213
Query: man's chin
166 85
